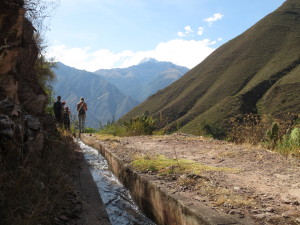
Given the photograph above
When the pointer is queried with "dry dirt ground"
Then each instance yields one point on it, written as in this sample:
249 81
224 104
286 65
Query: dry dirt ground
263 185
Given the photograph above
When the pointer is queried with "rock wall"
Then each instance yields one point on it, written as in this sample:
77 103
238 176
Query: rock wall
22 99
37 162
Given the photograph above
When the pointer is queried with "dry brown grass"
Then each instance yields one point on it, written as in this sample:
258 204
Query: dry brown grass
257 130
38 187
223 196
219 196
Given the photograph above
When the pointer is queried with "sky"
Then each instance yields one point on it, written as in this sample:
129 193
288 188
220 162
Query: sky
106 34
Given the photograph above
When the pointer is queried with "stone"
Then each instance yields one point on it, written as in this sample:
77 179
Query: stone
236 188
231 212
260 216
6 106
255 211
33 122
7 126
269 209
62 217
291 213
34 104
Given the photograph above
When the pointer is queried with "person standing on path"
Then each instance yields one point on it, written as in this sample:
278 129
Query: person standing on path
58 110
81 109
66 118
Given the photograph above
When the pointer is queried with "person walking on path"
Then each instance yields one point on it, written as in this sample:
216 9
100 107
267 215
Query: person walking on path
58 110
81 109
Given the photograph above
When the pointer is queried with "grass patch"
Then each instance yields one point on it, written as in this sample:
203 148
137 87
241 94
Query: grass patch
163 165
107 137
222 196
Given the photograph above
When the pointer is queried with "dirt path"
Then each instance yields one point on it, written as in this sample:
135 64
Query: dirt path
92 210
262 185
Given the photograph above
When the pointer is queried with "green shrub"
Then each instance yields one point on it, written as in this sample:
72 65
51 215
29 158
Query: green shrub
113 129
141 125
211 129
290 143
278 134
90 130
295 136
272 135
49 110
273 132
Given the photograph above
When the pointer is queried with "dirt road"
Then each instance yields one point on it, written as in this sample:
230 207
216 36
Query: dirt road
248 182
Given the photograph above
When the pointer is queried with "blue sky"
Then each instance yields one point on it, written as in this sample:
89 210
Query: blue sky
105 34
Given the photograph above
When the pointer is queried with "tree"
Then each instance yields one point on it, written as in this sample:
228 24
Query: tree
39 10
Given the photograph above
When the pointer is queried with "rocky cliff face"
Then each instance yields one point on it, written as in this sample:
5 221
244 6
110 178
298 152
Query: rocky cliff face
35 184
21 97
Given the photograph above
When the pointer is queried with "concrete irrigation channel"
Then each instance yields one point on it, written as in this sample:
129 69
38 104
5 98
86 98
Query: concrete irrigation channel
156 202
118 202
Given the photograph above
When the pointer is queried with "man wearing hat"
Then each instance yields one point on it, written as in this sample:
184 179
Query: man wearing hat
81 109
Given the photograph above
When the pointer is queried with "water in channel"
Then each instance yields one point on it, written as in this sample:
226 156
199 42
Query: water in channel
118 202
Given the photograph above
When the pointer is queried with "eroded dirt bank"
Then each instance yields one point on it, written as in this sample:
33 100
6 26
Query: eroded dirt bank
262 187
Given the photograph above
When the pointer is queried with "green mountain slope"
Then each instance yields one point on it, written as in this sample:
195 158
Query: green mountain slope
255 72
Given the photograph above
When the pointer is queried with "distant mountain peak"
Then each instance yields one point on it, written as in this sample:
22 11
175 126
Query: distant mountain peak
149 60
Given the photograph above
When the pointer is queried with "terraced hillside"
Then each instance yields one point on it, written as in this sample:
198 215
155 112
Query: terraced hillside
256 72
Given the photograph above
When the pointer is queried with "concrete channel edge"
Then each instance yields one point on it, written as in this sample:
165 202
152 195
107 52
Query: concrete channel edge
158 204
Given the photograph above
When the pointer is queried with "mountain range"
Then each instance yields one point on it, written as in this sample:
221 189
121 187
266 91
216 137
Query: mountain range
256 72
105 100
142 80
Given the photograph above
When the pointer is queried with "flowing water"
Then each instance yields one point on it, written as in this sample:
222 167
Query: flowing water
118 202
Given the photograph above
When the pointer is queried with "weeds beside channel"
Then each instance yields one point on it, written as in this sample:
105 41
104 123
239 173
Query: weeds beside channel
36 187
280 134
187 174
165 166
140 125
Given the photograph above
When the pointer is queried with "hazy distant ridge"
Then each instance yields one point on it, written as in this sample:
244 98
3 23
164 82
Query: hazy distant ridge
146 78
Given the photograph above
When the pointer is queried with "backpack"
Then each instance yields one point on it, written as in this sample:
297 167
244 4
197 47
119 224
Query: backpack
66 116
81 110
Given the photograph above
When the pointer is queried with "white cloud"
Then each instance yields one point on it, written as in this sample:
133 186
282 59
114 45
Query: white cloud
200 31
214 18
187 30
178 51
180 34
